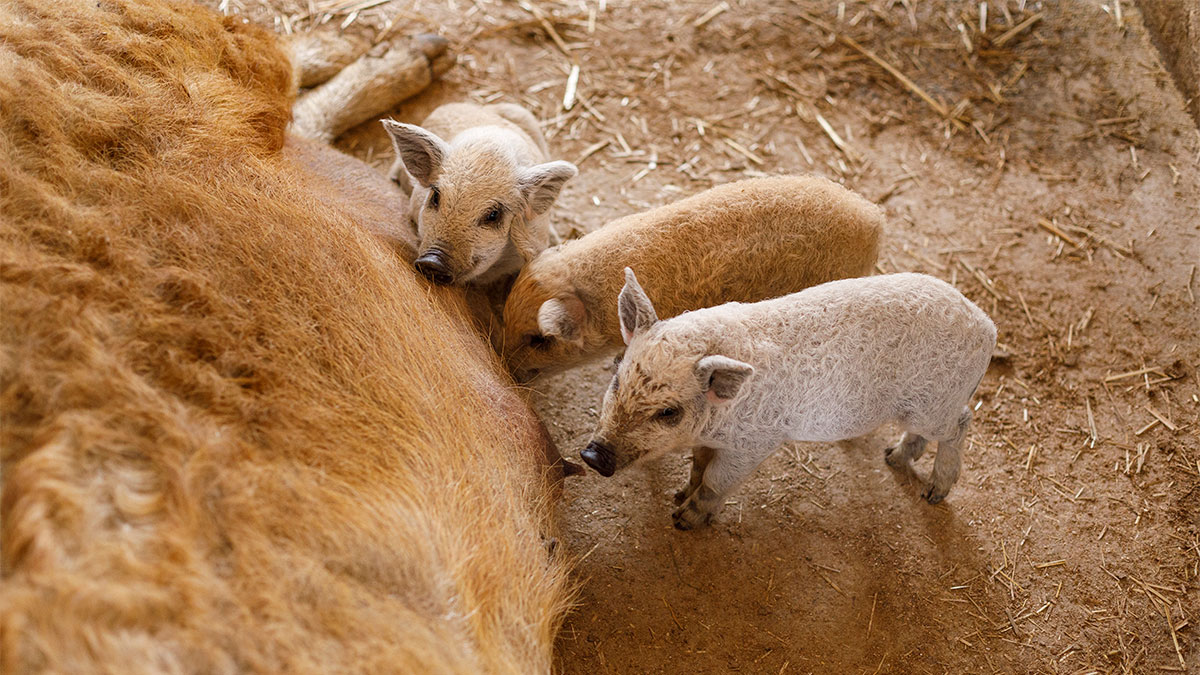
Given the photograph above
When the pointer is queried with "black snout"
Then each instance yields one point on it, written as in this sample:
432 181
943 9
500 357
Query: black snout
600 457
433 266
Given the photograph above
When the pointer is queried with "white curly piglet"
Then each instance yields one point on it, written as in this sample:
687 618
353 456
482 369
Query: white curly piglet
832 362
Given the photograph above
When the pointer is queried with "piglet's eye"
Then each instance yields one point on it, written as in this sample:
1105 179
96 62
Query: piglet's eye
492 217
435 197
538 341
667 415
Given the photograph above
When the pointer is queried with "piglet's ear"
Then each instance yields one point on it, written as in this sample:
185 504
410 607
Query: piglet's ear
721 377
634 308
541 184
422 151
562 318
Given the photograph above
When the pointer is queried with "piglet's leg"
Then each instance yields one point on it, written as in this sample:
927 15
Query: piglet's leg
725 471
372 85
908 450
701 456
946 464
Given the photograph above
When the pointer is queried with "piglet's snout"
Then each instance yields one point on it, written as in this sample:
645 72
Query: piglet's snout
433 265
600 457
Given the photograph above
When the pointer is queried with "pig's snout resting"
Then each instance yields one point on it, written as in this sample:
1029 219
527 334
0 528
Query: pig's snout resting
433 265
600 457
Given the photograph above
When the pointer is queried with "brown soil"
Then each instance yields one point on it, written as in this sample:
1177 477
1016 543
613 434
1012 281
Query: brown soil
1072 541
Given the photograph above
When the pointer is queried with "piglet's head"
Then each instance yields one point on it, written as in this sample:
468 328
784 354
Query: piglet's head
664 389
477 196
546 325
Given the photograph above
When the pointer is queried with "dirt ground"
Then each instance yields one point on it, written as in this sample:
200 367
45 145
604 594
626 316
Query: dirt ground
1053 177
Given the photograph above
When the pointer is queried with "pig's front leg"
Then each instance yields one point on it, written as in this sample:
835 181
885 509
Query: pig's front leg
725 471
701 456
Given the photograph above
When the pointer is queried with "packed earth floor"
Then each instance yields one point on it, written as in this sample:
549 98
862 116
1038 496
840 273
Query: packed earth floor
1035 154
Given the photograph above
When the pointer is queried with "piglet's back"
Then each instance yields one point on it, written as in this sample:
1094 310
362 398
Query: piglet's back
451 119
745 241
875 318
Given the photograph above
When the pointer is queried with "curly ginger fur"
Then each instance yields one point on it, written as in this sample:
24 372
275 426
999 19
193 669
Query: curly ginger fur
747 241
227 443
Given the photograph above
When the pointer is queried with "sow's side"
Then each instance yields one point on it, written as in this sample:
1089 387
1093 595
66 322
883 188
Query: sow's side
238 434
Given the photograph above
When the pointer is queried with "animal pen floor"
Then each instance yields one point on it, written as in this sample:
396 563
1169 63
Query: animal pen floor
1045 166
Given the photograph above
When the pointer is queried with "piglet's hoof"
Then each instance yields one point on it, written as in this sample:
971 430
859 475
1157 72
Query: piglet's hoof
432 46
689 518
892 457
932 496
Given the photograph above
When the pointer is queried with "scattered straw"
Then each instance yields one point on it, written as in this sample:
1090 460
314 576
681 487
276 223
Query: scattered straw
672 611
1166 609
572 84
808 158
837 140
1018 29
710 14
1025 307
1148 427
933 103
1159 416
744 151
1054 229
983 280
1134 373
591 150
830 582
871 620
542 20
1091 422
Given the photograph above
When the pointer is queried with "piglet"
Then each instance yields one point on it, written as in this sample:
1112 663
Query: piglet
832 362
747 241
483 188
